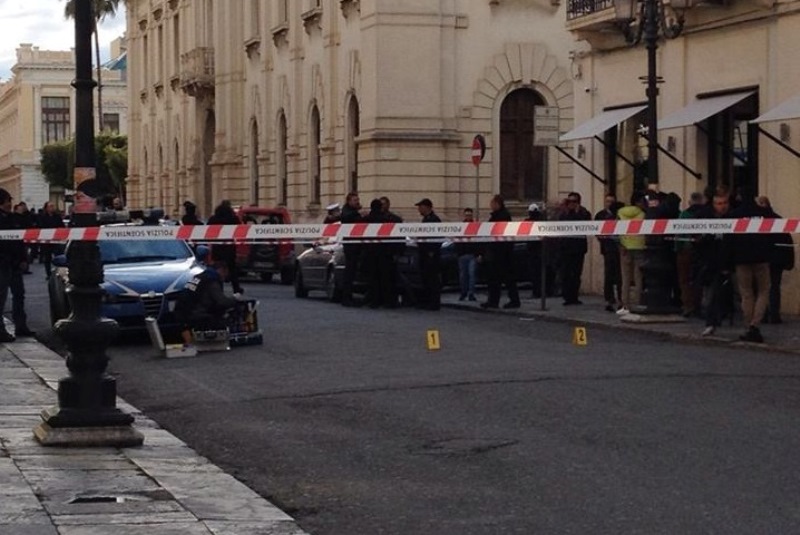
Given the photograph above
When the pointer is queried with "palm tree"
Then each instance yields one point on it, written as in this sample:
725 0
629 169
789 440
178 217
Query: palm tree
101 10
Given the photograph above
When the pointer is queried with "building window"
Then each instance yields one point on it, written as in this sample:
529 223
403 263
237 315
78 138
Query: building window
111 122
55 119
523 167
255 18
283 11
255 182
283 163
314 155
353 126
176 45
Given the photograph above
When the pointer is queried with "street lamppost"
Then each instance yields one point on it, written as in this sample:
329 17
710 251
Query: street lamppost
647 20
86 414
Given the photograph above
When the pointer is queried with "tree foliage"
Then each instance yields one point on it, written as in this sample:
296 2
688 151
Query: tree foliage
58 161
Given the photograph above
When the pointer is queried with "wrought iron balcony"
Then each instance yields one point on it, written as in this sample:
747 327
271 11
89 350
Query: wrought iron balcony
197 71
582 8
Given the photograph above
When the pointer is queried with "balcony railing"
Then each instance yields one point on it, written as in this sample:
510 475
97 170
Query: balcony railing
197 71
582 8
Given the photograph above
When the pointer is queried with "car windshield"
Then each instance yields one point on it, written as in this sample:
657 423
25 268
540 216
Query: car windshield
131 251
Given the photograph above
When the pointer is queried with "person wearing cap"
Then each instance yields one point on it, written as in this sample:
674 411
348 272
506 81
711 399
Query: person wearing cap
190 215
334 213
429 260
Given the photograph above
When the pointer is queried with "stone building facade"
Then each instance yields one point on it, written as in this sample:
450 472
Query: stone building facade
298 102
728 107
37 107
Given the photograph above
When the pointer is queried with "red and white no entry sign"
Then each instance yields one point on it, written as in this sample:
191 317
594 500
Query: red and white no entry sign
478 150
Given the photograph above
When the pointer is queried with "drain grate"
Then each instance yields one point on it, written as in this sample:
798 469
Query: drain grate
97 499
464 446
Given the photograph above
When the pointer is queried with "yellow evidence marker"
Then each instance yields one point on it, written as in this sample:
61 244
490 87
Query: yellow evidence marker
434 344
579 336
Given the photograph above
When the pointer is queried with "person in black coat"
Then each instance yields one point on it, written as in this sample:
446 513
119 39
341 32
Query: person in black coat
226 252
378 260
202 305
499 258
781 259
715 263
13 263
351 213
190 214
49 218
609 249
429 261
573 250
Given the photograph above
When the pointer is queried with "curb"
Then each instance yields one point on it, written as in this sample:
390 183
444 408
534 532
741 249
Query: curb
638 328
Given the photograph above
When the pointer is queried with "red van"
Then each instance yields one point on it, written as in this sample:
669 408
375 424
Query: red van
265 258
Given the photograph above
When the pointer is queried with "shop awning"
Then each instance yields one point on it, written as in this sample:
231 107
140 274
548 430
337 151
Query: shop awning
788 110
599 124
701 109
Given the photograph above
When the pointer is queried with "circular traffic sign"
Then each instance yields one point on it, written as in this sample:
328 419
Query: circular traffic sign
478 149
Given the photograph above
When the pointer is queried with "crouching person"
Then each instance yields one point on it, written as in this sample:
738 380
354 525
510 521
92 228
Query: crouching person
203 305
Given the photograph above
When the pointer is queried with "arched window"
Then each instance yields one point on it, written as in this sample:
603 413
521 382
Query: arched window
523 167
255 183
176 166
283 167
314 156
353 130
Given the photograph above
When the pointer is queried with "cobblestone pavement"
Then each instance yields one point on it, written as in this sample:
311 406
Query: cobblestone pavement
160 488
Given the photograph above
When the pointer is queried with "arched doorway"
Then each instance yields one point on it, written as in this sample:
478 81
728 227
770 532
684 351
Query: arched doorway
353 126
255 182
523 167
208 153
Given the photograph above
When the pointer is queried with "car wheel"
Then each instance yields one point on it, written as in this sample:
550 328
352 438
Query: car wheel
299 289
333 292
266 277
287 275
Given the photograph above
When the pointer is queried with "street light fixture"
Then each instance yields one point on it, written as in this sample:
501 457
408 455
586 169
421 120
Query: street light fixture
86 414
648 20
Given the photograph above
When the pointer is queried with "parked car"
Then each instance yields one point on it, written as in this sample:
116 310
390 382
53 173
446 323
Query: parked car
142 279
266 259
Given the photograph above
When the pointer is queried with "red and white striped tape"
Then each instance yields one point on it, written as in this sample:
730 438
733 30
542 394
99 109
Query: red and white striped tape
400 231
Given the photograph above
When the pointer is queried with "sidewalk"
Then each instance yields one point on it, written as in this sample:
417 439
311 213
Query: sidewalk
161 488
783 338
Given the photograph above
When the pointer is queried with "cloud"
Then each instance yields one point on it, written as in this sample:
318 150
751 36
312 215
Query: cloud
42 24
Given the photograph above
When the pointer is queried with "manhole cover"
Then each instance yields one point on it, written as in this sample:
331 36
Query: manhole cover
465 446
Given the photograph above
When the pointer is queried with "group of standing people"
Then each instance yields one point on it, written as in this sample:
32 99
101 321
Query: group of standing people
704 269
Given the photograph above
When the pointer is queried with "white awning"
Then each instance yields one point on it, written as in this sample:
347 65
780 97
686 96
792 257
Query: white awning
701 109
788 110
601 123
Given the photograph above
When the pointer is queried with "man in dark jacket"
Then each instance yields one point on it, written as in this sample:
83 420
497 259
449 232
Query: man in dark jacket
751 256
499 258
609 249
378 260
226 252
190 214
573 250
13 263
203 304
715 262
429 261
351 213
781 259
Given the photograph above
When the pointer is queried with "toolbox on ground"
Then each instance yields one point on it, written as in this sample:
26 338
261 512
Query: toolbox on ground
243 324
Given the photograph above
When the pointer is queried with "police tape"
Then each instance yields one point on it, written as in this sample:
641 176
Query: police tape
379 232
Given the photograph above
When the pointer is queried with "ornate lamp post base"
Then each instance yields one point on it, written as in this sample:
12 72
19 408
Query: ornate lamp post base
87 413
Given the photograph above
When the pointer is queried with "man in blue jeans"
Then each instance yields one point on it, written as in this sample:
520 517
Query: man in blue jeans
467 262
13 263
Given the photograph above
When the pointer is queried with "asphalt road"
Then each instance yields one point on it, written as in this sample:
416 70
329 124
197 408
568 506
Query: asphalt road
346 420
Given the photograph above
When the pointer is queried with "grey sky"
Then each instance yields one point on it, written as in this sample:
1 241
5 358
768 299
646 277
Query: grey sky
42 23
